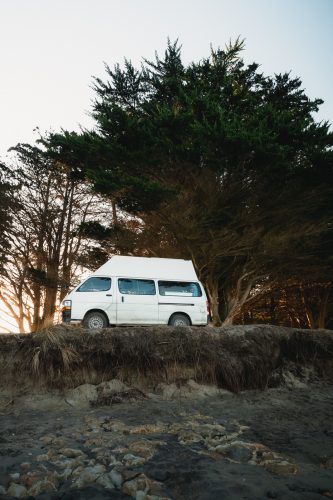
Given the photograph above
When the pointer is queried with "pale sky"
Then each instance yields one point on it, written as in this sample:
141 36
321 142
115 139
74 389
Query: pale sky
50 49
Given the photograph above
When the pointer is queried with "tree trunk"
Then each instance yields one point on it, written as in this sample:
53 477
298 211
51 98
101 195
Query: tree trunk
50 294
323 309
307 310
237 299
213 296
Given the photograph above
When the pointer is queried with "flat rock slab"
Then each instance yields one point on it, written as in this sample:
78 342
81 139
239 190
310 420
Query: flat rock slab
272 444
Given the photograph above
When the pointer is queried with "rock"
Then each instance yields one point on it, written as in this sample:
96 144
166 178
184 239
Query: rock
17 491
227 438
238 453
113 385
189 437
15 476
89 475
190 390
132 460
91 462
167 391
96 441
145 448
203 391
68 463
63 476
58 442
47 439
139 483
114 426
81 395
76 472
113 461
43 486
142 487
140 495
292 382
25 465
116 478
280 468
147 429
31 478
2 490
72 453
105 481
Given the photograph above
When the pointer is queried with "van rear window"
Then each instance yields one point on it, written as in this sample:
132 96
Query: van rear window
179 288
95 285
136 287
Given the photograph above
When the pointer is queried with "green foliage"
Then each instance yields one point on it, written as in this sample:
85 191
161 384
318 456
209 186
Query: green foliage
227 163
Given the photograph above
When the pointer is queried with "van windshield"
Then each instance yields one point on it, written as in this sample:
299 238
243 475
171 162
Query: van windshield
179 288
95 284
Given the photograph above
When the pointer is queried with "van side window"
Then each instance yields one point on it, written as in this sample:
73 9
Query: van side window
179 288
95 284
136 287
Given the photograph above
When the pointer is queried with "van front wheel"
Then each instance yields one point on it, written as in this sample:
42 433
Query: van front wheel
179 320
94 320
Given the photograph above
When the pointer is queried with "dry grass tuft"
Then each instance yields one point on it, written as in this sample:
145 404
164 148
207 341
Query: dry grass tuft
235 358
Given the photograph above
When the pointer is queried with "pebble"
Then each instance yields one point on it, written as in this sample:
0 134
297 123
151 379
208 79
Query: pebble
140 483
105 481
71 452
89 475
43 486
17 490
132 460
282 467
15 476
238 453
25 465
116 478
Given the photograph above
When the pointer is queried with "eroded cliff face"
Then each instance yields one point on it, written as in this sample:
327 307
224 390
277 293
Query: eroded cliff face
232 358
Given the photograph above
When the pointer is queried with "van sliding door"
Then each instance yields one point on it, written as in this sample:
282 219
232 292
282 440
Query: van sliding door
136 301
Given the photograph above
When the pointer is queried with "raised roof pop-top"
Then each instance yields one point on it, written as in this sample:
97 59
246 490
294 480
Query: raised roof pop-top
148 267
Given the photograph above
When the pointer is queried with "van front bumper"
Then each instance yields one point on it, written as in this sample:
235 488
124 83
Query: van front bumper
66 316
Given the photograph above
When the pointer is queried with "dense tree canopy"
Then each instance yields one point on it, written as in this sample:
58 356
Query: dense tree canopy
222 164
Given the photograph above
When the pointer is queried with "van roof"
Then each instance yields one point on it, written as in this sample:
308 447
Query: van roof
148 267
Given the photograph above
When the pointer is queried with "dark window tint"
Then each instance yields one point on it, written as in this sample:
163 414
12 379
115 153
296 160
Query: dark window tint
136 287
96 285
179 288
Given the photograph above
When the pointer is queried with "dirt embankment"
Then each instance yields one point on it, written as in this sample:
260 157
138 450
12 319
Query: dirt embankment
234 358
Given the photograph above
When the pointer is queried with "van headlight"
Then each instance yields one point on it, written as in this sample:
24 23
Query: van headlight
67 304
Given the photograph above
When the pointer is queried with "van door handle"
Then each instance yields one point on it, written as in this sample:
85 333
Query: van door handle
109 294
122 298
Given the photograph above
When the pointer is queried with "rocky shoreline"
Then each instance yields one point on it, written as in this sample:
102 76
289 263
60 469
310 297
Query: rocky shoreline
184 443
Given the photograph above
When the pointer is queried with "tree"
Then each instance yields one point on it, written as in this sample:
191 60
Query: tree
47 245
6 204
227 165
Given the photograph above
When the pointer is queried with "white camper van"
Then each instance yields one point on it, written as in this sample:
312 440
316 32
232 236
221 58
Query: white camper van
139 291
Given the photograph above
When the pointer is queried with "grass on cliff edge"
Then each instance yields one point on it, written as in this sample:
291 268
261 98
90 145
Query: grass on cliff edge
235 358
